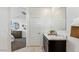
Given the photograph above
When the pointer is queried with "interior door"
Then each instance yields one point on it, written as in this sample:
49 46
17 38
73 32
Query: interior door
39 23
35 31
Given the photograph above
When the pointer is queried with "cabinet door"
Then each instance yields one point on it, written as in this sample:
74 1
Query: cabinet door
57 46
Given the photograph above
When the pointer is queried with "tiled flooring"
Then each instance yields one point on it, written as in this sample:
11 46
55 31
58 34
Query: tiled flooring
30 49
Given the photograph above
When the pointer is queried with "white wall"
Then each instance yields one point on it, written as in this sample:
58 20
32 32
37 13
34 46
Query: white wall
5 44
72 43
16 12
58 19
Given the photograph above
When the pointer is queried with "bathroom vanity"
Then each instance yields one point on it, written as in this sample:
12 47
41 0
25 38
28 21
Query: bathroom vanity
52 43
17 34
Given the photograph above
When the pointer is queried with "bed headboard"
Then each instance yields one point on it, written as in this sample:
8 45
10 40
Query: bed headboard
74 31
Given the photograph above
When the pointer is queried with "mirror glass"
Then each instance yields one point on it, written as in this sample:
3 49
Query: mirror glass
16 25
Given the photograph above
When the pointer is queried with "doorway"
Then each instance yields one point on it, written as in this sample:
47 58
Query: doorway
18 28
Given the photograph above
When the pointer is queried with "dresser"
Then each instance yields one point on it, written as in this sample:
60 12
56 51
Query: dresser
54 43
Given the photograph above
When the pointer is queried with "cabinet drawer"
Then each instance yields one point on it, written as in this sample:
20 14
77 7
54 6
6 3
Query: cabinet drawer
57 46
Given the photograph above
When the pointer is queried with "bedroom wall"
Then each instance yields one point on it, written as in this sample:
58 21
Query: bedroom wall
72 43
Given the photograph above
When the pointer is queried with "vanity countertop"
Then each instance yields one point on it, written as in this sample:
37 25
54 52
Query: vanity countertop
55 37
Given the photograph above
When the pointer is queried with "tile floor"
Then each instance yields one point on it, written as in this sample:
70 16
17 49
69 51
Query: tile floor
30 49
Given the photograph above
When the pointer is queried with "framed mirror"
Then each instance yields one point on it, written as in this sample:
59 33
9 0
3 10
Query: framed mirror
16 25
